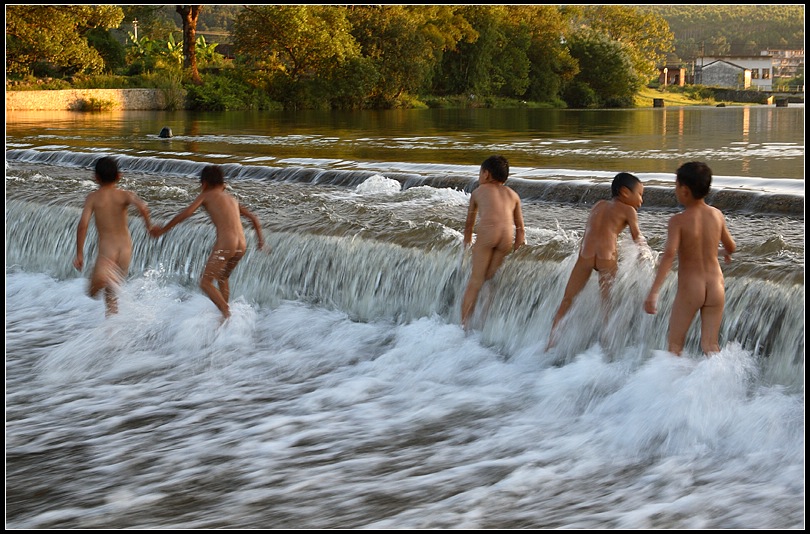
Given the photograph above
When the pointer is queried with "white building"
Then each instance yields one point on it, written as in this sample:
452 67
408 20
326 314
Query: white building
786 63
761 68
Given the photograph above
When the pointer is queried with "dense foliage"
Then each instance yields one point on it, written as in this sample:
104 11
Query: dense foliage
379 56
716 30
45 39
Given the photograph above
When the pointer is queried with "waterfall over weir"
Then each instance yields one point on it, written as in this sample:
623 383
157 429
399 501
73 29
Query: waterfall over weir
371 281
342 391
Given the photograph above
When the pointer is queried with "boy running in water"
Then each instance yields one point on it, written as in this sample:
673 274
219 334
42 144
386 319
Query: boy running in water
225 212
108 205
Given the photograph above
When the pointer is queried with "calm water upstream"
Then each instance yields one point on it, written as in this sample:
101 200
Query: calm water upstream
342 393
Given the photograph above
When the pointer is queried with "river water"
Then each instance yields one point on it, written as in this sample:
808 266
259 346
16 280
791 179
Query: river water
343 393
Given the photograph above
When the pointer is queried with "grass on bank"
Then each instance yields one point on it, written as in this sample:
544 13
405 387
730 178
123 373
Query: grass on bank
645 97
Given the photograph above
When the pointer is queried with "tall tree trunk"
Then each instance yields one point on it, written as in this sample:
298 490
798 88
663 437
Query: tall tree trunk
190 14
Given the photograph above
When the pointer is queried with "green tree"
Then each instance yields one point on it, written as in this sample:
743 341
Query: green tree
294 40
55 38
112 52
496 61
405 45
551 63
301 49
644 35
605 67
220 18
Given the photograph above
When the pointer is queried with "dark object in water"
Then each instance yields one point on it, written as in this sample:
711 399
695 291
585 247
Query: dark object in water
166 132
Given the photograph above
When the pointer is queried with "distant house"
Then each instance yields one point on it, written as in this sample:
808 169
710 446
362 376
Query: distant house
671 75
760 73
723 74
786 63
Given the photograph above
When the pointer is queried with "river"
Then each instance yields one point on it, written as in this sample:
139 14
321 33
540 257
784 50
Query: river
342 393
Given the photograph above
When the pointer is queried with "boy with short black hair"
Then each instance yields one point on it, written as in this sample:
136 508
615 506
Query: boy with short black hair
108 205
598 251
225 212
693 236
500 229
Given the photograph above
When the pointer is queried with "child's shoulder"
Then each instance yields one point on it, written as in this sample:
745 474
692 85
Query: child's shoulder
602 205
618 206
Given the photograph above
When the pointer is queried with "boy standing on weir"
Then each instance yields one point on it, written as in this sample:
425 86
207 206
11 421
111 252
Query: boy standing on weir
693 236
598 249
500 229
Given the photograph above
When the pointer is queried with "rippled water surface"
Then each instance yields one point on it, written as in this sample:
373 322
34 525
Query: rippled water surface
342 393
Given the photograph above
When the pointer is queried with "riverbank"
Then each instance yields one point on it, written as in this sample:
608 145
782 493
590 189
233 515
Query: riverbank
647 96
85 100
155 99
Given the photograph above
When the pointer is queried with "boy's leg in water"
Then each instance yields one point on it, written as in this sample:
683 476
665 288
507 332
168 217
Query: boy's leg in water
577 280
481 257
711 316
213 270
107 277
224 277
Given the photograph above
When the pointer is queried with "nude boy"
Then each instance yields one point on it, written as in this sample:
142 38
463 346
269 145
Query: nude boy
225 212
598 251
694 236
500 228
108 205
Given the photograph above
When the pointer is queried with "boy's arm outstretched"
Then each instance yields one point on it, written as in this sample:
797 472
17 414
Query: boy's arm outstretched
143 208
157 231
664 265
256 224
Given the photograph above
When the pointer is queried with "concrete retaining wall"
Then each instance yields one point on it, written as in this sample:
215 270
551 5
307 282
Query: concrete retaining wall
73 99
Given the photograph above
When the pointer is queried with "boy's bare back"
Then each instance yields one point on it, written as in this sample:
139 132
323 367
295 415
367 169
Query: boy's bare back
108 205
608 218
225 214
500 212
702 227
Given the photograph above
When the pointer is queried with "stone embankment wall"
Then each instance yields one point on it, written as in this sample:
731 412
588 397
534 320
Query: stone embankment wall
77 99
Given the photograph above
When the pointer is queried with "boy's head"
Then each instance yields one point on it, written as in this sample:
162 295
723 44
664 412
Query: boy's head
106 170
212 175
498 168
697 176
623 179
